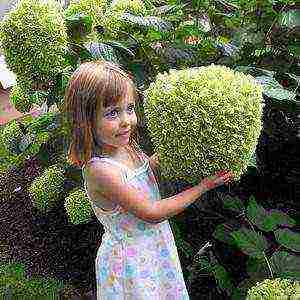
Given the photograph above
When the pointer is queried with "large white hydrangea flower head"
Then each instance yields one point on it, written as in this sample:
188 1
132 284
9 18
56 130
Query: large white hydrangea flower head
202 120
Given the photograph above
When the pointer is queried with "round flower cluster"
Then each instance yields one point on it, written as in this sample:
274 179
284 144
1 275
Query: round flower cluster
277 288
203 120
93 8
46 189
33 38
78 207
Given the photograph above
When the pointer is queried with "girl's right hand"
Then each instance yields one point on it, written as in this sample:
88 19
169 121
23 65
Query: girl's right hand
220 178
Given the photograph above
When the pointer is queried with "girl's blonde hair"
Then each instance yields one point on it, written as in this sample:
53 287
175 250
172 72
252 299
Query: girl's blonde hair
93 86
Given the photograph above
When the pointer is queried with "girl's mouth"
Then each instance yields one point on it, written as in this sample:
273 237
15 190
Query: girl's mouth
124 134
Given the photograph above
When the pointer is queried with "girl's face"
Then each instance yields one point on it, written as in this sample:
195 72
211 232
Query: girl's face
116 122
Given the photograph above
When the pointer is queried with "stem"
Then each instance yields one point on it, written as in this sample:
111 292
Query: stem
265 257
268 264
275 20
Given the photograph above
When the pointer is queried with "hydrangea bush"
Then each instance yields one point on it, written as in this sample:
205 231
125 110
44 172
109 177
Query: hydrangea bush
34 38
273 289
202 120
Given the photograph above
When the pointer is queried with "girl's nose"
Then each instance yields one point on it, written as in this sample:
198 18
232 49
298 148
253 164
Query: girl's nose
125 118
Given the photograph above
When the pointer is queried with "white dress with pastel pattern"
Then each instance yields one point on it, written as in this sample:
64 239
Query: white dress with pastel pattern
137 260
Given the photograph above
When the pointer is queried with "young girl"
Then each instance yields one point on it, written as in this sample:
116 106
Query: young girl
137 258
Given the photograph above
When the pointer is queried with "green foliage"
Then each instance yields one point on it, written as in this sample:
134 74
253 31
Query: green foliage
272 289
202 120
79 25
19 99
34 43
41 123
255 244
182 245
13 282
250 242
267 221
78 207
282 98
46 189
20 140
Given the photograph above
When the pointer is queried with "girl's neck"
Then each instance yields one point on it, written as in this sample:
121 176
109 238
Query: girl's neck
112 151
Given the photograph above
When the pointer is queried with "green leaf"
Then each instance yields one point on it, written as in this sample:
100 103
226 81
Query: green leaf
147 22
256 213
101 51
252 161
222 233
294 50
79 25
285 265
290 18
281 218
288 238
273 89
139 74
233 203
120 47
257 268
251 243
223 278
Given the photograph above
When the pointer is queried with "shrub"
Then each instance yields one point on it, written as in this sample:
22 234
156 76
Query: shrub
78 207
273 289
202 120
34 38
45 190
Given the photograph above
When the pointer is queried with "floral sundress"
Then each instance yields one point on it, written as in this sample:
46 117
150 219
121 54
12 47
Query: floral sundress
137 260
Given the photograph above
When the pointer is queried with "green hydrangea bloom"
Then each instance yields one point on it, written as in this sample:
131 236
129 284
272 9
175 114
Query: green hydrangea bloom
203 120
46 189
34 38
78 207
93 8
274 289
136 7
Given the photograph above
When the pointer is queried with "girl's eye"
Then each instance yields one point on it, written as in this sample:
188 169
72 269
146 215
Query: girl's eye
131 107
114 112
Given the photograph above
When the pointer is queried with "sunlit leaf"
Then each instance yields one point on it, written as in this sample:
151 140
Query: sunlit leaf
290 18
250 242
288 238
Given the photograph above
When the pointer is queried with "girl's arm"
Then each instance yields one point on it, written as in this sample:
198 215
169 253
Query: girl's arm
109 184
154 161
